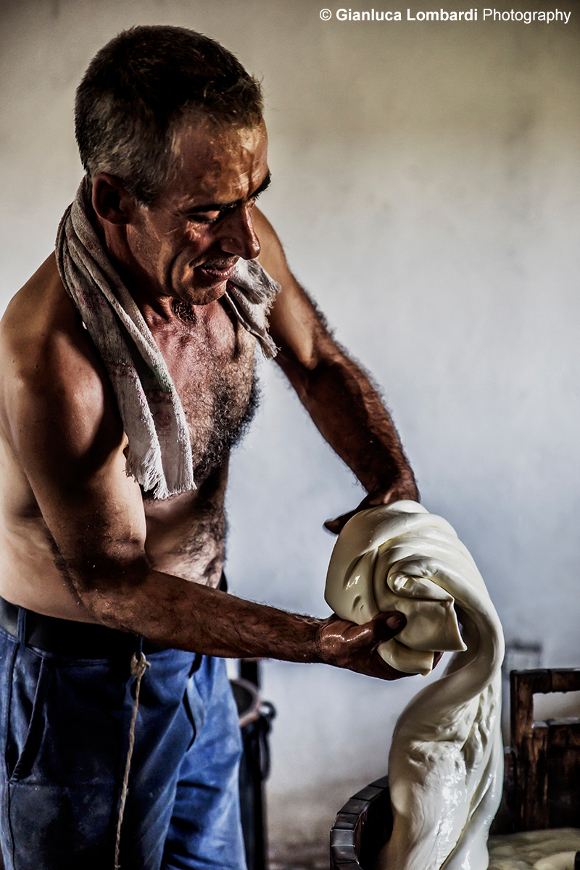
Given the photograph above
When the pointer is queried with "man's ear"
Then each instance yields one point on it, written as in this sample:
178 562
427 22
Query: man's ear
111 201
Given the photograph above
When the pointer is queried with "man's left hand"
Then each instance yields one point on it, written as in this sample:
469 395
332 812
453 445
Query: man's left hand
397 492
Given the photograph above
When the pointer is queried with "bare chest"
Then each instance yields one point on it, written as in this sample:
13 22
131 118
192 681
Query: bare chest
211 361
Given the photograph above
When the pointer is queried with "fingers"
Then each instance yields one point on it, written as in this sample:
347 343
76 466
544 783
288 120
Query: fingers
335 526
386 625
346 645
368 636
373 499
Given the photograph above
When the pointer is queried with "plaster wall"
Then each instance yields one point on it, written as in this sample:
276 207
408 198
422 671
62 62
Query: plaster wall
426 184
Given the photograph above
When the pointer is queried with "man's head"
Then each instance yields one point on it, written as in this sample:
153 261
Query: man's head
143 88
170 130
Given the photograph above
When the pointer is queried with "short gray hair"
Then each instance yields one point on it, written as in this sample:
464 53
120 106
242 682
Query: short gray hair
139 90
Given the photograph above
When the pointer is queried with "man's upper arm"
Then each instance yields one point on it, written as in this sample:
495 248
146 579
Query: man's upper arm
336 392
294 324
64 428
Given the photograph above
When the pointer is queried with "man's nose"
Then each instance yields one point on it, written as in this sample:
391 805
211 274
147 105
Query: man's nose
237 234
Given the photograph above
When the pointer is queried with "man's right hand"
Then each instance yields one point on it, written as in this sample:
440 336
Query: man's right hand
346 645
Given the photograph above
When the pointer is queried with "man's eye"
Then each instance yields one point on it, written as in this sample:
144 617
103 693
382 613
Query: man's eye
205 217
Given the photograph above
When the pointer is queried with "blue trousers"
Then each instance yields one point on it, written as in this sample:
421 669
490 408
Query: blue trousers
64 734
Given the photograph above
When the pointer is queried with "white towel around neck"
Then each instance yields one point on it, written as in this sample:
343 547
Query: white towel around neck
159 455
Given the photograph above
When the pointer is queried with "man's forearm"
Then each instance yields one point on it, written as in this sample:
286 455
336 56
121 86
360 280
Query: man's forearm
352 418
186 615
177 613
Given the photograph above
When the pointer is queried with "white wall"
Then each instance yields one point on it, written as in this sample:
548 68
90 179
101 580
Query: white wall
426 183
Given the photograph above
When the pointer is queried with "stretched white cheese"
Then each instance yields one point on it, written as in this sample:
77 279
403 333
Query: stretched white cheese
446 758
376 565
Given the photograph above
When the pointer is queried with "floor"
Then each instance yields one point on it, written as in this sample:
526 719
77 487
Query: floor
304 857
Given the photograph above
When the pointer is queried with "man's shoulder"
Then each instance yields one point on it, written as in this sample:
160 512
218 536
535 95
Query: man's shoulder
37 306
41 323
46 355
271 254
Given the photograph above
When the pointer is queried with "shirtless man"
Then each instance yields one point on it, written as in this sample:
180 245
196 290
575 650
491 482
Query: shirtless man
95 572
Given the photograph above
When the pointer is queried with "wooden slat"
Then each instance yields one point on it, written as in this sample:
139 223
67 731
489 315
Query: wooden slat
342 847
533 763
566 680
362 827
564 772
523 686
505 822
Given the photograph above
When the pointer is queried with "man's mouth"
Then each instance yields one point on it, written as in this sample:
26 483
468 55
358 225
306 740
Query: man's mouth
219 269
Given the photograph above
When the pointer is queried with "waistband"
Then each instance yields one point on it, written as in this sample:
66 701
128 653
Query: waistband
64 637
83 640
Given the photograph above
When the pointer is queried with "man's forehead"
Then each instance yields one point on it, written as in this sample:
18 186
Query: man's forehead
229 157
207 143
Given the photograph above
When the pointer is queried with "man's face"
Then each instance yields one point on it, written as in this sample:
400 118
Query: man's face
187 244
